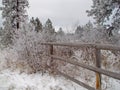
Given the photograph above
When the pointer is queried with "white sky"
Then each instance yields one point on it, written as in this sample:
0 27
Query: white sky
63 13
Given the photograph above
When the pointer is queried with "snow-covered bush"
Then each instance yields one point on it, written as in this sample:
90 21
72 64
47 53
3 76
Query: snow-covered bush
27 43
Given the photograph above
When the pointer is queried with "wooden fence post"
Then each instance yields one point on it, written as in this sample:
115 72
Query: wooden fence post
51 53
98 64
52 63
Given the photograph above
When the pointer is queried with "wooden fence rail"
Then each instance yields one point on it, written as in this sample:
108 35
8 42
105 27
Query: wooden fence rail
96 69
97 46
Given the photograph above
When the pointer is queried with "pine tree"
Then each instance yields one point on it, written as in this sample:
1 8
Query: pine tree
32 21
49 31
60 32
79 30
1 29
38 25
14 14
48 28
105 11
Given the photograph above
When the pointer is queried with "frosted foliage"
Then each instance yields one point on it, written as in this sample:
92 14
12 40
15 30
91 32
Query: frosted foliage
48 28
111 60
15 11
65 38
106 12
60 32
79 32
48 31
94 36
27 43
13 14
90 34
37 24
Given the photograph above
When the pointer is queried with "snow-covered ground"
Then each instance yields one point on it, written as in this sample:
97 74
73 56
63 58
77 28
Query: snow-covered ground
10 80
14 79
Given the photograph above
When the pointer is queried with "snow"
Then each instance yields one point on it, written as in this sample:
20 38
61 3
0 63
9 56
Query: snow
10 80
14 79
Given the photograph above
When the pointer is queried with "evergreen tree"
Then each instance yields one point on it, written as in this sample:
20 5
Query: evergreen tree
88 26
49 31
105 11
48 28
32 21
1 29
38 25
14 14
79 30
60 32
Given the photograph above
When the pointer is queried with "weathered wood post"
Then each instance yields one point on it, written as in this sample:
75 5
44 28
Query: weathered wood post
98 64
51 53
52 68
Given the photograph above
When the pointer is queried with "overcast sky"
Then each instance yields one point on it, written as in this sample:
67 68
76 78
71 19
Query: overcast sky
63 13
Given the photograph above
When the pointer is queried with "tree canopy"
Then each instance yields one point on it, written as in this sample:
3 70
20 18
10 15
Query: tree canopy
106 13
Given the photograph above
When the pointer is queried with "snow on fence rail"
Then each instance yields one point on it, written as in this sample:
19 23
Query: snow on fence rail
96 69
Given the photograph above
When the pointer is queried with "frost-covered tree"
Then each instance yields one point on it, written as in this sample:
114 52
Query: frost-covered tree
1 31
36 24
14 14
88 26
48 28
32 21
107 13
49 31
79 31
60 32
60 35
89 33
27 44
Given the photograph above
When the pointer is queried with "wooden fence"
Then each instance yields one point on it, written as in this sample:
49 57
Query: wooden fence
98 70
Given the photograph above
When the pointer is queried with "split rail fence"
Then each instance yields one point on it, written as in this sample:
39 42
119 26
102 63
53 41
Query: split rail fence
98 70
